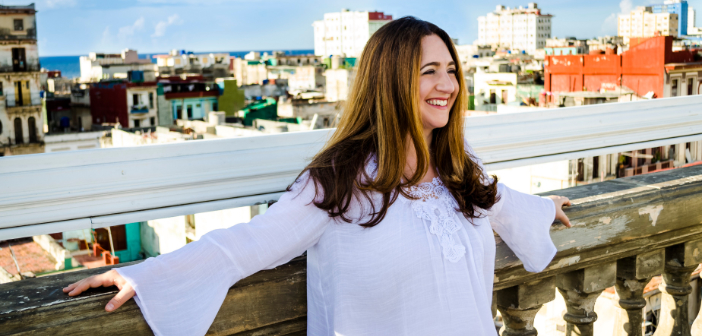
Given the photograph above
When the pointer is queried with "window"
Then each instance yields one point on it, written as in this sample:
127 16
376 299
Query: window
151 100
190 111
32 126
215 107
674 88
135 99
152 121
19 24
136 123
690 86
19 137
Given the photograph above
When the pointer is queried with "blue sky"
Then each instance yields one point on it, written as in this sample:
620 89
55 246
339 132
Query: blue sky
76 27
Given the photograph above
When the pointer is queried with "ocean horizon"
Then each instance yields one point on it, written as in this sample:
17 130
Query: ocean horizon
70 65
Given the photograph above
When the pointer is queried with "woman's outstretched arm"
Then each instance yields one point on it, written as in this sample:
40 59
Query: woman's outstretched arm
181 292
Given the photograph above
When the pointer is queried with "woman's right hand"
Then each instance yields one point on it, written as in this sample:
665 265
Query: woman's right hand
107 279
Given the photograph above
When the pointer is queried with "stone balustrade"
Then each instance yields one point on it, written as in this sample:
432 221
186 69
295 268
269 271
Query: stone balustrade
624 232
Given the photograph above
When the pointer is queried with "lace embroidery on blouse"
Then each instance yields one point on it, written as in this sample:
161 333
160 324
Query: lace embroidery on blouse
435 204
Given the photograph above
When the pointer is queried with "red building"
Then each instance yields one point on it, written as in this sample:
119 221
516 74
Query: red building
641 68
132 104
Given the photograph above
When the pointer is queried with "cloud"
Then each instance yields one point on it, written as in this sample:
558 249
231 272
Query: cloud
60 3
610 24
126 32
625 6
161 26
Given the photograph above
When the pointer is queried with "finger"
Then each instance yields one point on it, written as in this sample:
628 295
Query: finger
70 287
91 282
565 220
125 294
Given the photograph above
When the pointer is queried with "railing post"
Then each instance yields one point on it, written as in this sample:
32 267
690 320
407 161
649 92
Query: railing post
580 290
680 261
633 274
519 305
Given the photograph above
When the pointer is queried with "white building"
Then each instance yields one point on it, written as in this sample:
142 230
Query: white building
346 32
179 62
98 66
642 22
692 28
518 29
21 123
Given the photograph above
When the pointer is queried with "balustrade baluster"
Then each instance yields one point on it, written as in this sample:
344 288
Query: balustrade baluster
580 290
680 261
633 274
519 305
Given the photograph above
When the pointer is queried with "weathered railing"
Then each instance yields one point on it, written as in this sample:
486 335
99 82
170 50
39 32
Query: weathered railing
58 192
624 232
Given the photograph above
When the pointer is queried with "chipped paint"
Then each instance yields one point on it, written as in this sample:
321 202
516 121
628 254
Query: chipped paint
566 262
605 220
652 212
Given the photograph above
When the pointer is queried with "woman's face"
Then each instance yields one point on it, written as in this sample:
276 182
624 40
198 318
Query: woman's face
438 84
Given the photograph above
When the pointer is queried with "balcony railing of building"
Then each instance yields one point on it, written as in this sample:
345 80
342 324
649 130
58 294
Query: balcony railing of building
625 230
28 65
27 34
13 100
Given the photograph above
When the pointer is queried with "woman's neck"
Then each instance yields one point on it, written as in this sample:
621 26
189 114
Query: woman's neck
411 164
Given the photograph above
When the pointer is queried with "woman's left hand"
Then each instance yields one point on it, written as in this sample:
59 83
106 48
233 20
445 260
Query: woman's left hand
559 202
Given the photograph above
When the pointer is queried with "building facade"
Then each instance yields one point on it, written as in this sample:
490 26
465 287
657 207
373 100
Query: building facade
99 66
346 32
131 104
516 29
21 122
177 62
566 46
678 7
643 22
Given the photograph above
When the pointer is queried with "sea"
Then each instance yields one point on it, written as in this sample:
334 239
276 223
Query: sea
70 65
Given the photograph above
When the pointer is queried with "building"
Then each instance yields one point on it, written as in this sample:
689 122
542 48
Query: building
642 69
177 62
515 29
100 66
132 104
21 122
678 7
684 79
643 22
187 98
346 32
566 46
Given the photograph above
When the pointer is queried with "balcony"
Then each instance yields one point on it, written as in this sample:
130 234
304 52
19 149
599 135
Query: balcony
28 34
12 100
29 65
136 109
625 230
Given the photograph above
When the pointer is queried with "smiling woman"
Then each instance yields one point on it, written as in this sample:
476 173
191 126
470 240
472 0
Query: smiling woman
396 215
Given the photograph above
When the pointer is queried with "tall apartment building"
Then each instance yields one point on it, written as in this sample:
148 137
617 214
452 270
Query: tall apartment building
518 28
643 22
678 7
346 32
21 123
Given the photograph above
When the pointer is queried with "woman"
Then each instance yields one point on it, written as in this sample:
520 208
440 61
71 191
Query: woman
395 213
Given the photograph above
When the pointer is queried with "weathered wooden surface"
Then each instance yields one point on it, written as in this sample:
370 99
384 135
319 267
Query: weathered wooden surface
612 220
617 219
271 302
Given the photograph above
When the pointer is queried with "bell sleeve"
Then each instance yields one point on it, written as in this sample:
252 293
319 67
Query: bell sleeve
180 293
523 221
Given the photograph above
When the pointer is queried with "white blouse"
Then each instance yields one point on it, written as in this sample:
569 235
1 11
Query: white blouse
424 270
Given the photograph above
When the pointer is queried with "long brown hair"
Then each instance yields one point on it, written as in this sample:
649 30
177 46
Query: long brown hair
381 118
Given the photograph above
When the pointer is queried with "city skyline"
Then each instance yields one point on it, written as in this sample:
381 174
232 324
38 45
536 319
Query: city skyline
153 26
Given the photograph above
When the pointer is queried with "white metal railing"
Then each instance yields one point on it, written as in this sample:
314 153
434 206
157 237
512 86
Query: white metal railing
33 99
56 192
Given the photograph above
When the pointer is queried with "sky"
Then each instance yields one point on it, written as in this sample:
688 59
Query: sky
77 27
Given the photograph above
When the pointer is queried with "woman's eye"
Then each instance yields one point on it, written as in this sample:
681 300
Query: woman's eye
428 72
452 71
